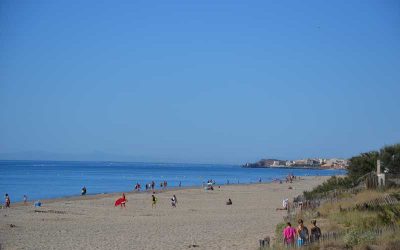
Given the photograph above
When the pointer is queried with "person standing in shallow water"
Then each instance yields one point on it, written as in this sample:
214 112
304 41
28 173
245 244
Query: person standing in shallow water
7 201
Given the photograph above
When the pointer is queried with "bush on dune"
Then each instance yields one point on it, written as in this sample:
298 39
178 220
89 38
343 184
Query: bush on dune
359 166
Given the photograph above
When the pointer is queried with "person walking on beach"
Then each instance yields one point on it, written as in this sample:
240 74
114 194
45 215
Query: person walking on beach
121 201
174 201
25 199
8 201
302 233
83 192
153 201
315 231
289 234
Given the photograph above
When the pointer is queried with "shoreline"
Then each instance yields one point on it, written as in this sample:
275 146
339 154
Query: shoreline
95 196
157 191
105 195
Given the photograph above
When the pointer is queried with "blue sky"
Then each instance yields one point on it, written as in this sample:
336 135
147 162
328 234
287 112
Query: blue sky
199 81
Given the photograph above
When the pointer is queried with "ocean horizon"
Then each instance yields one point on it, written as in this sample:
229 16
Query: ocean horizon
56 179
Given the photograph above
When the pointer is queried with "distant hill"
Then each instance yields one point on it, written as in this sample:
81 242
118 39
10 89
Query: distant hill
263 163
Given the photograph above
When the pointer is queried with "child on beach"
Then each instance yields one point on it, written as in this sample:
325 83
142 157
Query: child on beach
174 201
25 199
153 200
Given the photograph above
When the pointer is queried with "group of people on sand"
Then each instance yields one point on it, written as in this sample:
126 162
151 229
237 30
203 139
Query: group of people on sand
122 201
154 200
290 178
301 235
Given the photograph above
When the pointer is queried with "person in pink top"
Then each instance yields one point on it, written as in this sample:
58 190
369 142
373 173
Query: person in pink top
289 234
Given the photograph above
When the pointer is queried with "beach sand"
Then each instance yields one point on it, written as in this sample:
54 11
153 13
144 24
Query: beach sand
201 218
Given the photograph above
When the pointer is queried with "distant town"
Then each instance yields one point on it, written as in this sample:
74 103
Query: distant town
333 163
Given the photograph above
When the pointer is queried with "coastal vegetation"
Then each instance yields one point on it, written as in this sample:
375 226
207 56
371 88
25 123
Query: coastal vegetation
360 166
362 222
369 219
350 215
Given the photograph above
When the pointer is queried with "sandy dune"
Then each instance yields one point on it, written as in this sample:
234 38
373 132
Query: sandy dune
201 218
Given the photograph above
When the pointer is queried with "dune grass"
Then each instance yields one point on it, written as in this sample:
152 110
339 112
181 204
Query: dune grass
358 225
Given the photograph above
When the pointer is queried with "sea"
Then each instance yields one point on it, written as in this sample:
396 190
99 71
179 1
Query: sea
54 179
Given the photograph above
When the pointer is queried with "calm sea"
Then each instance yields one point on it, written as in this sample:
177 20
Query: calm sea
51 179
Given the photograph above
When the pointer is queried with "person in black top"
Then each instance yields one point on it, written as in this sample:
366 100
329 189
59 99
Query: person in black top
315 231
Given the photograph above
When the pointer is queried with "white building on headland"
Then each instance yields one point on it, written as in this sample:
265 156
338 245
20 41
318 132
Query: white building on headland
278 163
319 162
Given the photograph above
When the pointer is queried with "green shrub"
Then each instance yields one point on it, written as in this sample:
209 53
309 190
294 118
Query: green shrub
329 185
389 214
352 238
278 233
367 237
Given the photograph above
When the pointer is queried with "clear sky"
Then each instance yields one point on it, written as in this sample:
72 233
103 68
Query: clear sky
199 81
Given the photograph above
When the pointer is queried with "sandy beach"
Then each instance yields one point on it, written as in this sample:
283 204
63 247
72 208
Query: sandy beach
201 218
